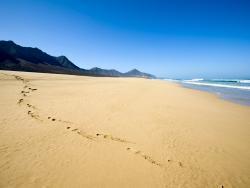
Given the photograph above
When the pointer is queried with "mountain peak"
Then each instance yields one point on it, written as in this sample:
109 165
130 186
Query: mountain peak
134 70
95 68
9 42
65 62
137 73
62 57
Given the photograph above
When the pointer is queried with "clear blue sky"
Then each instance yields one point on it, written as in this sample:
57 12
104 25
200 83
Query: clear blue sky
171 38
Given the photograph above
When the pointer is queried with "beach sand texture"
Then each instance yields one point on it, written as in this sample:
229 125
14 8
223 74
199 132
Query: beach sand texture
77 131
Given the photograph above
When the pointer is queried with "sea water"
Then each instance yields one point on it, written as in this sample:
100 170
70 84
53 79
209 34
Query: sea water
235 90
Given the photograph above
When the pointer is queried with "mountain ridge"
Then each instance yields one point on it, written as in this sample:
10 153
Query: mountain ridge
18 58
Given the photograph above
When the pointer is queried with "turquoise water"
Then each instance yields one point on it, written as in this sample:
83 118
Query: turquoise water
235 90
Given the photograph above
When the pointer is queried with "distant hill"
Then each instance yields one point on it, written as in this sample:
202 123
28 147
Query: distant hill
104 72
137 73
17 58
66 63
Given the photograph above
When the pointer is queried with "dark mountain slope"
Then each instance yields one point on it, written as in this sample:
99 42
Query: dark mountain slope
65 62
33 55
18 58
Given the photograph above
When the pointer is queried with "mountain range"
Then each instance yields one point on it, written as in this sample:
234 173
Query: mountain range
18 58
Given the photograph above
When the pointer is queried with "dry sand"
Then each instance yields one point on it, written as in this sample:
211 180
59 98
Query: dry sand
75 131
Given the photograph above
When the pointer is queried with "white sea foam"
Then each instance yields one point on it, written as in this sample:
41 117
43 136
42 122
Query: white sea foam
219 80
245 81
217 85
169 79
195 80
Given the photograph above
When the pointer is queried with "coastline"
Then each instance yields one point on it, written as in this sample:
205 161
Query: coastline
77 131
238 96
223 92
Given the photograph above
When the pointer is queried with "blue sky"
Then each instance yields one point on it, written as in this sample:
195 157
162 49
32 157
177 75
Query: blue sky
171 38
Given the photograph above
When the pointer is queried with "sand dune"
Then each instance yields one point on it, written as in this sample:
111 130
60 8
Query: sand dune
75 131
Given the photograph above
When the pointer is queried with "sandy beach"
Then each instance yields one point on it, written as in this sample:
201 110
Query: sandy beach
77 131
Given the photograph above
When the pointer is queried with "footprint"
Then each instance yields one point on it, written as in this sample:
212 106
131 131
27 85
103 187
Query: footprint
105 136
35 116
67 122
31 106
20 78
32 89
110 137
24 92
145 157
52 119
137 152
180 164
85 135
20 101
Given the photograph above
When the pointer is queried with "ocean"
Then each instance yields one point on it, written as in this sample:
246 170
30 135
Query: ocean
235 90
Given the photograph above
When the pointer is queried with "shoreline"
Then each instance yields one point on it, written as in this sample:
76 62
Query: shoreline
236 96
71 131
219 92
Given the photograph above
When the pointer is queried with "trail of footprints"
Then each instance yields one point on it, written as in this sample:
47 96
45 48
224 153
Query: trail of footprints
151 160
25 93
27 90
110 137
32 112
144 156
